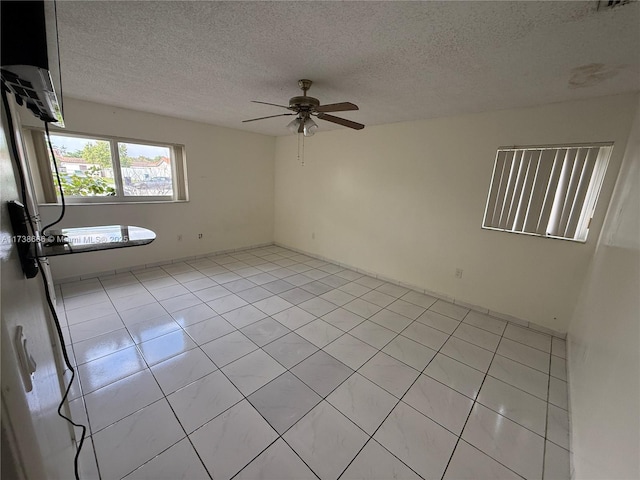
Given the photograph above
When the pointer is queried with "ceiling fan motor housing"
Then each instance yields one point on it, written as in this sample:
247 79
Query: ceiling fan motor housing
303 103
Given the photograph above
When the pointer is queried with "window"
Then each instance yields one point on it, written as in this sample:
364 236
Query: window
547 191
98 169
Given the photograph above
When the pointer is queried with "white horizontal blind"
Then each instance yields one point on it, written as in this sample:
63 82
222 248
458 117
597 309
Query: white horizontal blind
548 191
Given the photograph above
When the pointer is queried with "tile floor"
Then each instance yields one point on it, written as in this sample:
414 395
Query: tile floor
271 364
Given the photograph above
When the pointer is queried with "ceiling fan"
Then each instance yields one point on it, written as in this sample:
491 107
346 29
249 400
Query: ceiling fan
305 107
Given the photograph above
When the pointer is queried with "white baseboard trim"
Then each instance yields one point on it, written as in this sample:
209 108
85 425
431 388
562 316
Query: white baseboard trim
439 295
135 268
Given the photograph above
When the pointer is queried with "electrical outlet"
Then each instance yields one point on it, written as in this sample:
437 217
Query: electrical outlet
199 235
180 237
458 273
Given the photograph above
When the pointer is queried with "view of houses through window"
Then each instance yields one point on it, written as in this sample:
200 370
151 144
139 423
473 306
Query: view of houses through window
97 167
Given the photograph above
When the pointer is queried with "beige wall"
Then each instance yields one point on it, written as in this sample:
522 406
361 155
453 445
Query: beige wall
406 201
230 175
604 340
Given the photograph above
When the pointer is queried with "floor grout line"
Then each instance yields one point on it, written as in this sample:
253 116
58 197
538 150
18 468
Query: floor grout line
342 334
546 421
475 400
180 423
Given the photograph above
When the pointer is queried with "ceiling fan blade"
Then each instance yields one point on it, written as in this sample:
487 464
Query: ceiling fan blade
272 104
341 121
270 116
337 107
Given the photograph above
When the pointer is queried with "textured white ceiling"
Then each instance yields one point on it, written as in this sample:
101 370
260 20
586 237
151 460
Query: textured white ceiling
397 60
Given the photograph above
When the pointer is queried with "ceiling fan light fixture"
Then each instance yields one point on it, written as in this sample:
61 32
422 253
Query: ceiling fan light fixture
310 127
294 125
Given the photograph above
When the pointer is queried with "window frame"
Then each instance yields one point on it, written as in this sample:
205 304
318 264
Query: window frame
591 196
177 159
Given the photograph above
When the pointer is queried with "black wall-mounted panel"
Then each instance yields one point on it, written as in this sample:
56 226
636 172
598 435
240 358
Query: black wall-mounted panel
24 37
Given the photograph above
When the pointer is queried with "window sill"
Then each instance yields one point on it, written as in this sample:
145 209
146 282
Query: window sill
89 204
536 235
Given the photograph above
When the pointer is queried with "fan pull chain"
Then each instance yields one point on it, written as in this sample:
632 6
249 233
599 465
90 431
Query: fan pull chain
301 149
